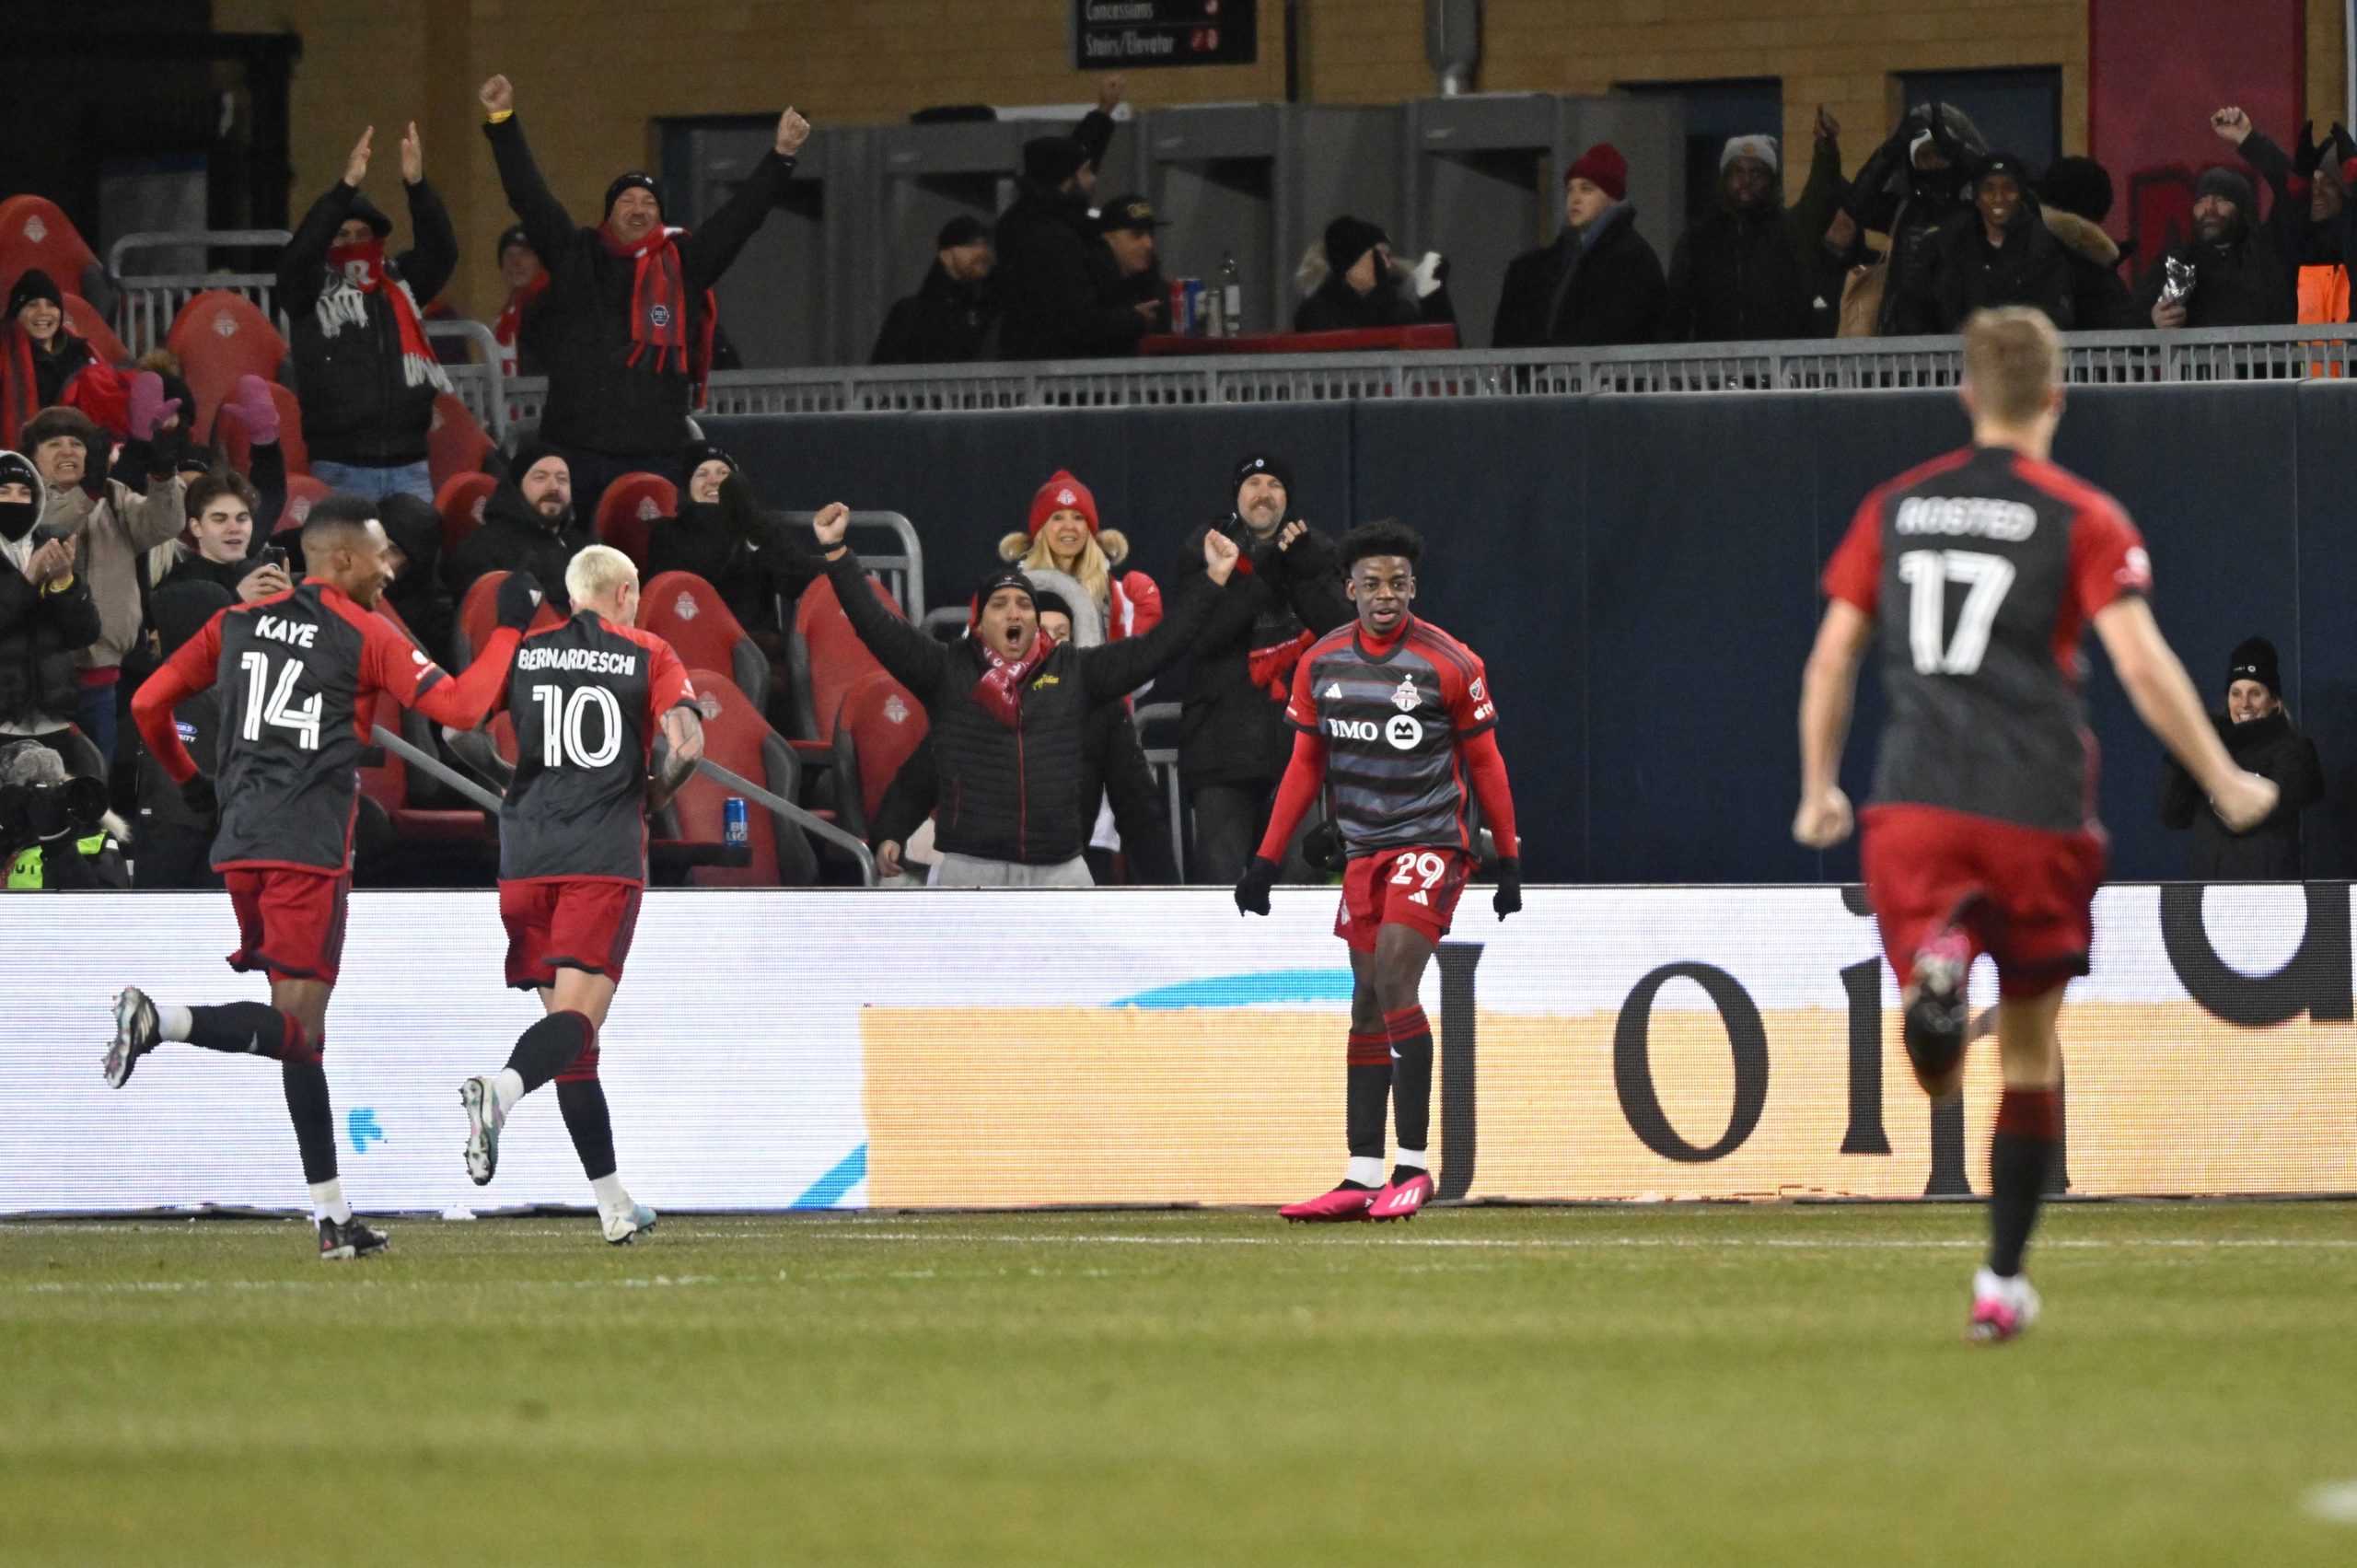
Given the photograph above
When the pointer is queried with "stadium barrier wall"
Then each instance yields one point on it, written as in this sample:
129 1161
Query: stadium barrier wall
1639 573
775 1050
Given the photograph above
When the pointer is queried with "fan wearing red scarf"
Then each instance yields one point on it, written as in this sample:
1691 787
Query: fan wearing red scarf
626 319
364 372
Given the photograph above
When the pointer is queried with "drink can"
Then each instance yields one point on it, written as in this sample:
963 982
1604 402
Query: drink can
1195 317
1179 322
735 829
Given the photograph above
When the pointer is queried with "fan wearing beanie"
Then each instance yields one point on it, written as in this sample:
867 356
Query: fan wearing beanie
1746 273
1599 283
1065 535
2245 272
627 318
1352 283
1048 271
44 362
2074 197
2259 736
1997 254
950 316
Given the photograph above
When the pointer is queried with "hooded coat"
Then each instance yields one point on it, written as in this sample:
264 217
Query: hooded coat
1046 276
1743 277
2099 299
1963 273
42 630
732 546
1332 305
2253 279
1570 295
2271 852
1909 206
418 593
515 538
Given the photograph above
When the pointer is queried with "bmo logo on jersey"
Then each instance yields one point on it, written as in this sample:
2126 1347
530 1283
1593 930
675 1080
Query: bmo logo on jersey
1404 731
1351 729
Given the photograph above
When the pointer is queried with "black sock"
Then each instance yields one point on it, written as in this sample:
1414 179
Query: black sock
548 1047
2021 1151
314 1117
246 1029
1411 1077
1367 1095
583 1100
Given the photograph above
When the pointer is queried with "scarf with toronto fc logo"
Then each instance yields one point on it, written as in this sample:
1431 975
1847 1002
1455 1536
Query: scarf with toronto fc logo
658 316
360 275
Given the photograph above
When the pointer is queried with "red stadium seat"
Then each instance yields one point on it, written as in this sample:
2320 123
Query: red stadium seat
456 443
220 336
85 320
460 500
386 785
880 723
832 660
35 233
230 432
302 490
628 509
737 737
687 613
479 615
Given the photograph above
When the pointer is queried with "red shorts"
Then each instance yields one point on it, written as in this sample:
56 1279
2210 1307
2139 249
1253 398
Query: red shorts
290 923
582 923
2035 915
1415 887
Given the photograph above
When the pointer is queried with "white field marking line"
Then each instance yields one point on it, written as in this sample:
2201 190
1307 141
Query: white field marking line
1802 1244
147 1287
2335 1502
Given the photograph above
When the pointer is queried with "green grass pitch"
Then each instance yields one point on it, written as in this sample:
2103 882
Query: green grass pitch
1772 1385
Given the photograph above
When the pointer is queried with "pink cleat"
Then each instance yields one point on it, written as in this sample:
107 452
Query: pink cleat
2001 1309
1343 1204
1401 1199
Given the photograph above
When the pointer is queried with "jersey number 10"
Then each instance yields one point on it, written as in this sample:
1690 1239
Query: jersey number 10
1928 573
564 718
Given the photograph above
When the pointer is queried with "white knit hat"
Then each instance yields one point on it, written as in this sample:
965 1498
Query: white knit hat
1761 147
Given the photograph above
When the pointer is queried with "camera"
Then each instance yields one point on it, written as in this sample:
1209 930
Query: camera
38 803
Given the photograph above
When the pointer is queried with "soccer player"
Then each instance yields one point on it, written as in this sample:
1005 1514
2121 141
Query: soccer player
300 672
1396 714
1977 574
589 698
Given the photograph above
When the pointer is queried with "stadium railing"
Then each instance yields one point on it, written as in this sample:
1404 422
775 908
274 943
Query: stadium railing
479 385
183 263
903 572
2134 358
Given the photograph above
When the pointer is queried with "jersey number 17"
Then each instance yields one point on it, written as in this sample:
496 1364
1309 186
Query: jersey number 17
1928 573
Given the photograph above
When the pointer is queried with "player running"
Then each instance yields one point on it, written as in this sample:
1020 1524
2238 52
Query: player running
589 699
300 672
1981 570
1395 714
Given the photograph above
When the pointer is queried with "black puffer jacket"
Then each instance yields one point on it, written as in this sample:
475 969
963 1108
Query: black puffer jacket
1560 295
515 538
2271 852
41 631
1232 731
1891 196
362 402
1011 792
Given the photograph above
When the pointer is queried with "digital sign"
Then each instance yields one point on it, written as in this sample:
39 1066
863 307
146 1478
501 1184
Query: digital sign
1128 35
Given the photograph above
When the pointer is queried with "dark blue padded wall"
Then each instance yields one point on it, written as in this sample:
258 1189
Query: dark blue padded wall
1639 573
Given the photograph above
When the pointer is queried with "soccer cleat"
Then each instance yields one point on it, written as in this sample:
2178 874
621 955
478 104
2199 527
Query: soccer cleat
626 1227
135 1034
482 1129
339 1239
1938 1022
1401 1199
1341 1204
2001 1309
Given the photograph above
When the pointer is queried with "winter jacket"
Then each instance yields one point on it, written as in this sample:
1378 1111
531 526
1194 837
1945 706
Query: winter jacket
1012 792
597 401
1747 276
1333 305
2099 297
118 527
515 538
2253 279
1053 285
1567 294
42 631
1909 206
1232 729
752 572
195 568
944 323
1963 273
364 403
2271 852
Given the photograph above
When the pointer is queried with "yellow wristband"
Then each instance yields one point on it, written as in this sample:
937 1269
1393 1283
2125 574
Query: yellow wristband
60 585
500 116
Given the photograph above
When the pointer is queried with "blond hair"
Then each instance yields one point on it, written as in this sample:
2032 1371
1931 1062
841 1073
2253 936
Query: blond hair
598 573
2013 361
1093 570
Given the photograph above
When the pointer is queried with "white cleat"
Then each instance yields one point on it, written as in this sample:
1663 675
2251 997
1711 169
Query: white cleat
135 1034
482 1129
625 1228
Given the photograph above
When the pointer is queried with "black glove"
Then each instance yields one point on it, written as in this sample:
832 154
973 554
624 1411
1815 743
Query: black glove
2307 152
519 600
1509 898
1252 892
199 797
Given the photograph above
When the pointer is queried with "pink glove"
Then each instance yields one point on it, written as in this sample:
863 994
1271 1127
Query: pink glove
255 409
149 407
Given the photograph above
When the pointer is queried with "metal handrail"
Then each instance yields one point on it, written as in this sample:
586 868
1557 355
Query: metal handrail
480 385
910 563
149 301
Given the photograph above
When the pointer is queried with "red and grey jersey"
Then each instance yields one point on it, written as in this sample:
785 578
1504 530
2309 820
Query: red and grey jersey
1981 570
587 699
297 676
1391 721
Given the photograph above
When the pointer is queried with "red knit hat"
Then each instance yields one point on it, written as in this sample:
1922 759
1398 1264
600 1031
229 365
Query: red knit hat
1602 167
1062 492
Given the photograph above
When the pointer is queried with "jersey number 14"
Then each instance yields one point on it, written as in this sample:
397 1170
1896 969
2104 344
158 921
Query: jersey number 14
272 703
1928 573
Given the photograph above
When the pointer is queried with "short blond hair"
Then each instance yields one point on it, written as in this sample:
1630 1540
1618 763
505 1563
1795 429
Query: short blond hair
599 572
2013 362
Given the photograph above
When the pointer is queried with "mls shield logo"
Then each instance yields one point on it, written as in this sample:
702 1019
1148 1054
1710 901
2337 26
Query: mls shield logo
658 316
1407 698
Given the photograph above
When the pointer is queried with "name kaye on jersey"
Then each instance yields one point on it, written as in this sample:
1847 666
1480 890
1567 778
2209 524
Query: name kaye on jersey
1977 516
584 661
292 633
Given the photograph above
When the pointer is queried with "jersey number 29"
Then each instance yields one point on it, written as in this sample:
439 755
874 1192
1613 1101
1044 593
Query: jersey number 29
564 718
1928 573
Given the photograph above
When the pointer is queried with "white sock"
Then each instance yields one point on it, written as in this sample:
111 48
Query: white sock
1364 1169
506 1089
326 1201
612 1199
173 1023
1415 1159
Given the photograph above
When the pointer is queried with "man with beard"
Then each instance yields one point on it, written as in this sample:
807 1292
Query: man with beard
528 524
1047 249
2257 731
1744 273
2241 275
1233 743
946 320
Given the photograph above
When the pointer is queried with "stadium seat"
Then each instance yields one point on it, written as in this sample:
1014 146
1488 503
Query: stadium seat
86 318
737 737
627 512
879 723
461 500
831 659
220 336
35 233
479 616
687 613
386 787
302 490
229 434
456 443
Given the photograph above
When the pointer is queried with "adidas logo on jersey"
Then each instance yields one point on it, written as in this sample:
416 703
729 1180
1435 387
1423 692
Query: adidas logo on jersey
1334 692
